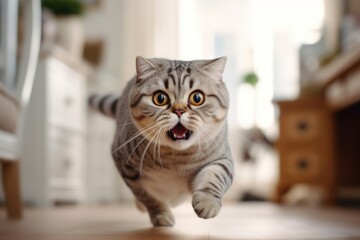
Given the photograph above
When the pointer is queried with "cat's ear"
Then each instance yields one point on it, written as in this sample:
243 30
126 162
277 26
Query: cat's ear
145 68
214 67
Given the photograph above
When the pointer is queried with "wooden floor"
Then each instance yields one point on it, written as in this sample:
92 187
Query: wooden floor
242 221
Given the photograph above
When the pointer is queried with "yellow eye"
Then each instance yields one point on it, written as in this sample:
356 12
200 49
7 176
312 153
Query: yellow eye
197 98
160 98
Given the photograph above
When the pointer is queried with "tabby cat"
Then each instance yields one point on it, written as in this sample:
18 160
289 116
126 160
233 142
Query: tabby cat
171 136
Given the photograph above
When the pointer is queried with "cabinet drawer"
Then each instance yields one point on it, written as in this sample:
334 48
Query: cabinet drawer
301 125
66 94
66 156
301 165
66 195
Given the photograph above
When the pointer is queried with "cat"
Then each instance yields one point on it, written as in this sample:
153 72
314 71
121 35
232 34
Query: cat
171 136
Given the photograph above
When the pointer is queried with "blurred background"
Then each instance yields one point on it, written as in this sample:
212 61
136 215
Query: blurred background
292 72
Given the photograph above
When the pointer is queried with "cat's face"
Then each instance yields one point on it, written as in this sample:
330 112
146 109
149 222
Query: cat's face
179 104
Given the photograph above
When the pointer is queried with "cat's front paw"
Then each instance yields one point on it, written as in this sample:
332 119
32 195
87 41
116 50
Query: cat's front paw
163 219
205 205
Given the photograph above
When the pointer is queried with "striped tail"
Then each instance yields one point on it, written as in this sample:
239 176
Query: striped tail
106 104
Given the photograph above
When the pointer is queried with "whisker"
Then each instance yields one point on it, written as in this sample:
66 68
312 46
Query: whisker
199 142
156 144
135 136
143 155
155 149
161 139
207 135
139 144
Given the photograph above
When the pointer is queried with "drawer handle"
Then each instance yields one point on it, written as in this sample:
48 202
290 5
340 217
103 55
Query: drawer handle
303 164
302 126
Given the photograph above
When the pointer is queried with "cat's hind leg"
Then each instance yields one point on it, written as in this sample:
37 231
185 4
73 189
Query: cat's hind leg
162 219
159 213
140 206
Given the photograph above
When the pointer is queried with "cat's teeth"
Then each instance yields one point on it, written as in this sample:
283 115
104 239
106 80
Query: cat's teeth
180 136
179 132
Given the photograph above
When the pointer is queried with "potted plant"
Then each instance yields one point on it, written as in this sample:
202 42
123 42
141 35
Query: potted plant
250 78
70 32
247 99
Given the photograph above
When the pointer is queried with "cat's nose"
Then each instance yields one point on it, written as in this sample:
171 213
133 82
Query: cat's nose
178 112
179 109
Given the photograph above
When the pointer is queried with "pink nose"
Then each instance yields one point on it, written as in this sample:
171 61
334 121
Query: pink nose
178 112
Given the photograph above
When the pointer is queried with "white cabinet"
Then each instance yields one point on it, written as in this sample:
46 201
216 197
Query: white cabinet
54 141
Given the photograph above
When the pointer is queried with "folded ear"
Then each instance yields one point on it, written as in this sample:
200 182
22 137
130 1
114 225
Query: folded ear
145 67
214 67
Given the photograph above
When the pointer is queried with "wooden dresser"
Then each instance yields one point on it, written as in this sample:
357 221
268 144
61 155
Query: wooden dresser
306 145
319 141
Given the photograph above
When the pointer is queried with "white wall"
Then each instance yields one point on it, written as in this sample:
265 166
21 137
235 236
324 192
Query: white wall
131 28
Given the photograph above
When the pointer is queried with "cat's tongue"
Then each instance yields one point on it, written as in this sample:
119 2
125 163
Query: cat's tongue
179 131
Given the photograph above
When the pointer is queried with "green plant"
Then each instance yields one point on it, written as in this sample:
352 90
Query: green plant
250 78
63 7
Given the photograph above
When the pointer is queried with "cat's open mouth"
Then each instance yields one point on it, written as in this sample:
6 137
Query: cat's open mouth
179 132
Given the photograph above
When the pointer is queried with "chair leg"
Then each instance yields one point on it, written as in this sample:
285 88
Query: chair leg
11 181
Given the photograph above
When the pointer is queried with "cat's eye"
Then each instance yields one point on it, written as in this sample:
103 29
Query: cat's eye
197 98
160 98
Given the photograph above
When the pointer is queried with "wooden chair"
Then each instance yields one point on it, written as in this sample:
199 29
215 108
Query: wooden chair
16 80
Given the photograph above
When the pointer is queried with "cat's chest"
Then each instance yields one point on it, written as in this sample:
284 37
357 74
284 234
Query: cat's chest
169 185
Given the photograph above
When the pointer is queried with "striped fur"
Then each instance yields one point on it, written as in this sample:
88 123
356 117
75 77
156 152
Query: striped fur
107 104
176 149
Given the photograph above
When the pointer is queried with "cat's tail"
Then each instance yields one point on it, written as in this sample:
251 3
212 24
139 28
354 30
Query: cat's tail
106 104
